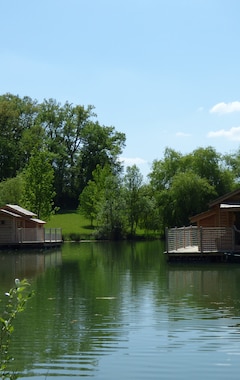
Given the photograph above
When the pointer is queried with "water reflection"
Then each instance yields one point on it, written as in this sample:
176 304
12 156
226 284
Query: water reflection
26 264
212 287
113 311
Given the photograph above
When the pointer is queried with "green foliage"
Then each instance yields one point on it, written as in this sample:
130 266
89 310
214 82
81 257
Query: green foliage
16 116
88 201
134 200
11 190
92 195
164 170
15 303
207 163
63 127
74 237
38 190
150 217
188 196
103 200
111 219
101 147
76 142
184 185
59 155
232 166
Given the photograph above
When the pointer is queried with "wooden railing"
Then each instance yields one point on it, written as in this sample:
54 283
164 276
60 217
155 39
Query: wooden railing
203 239
52 234
37 235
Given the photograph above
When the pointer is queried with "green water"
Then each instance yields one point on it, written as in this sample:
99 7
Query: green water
120 311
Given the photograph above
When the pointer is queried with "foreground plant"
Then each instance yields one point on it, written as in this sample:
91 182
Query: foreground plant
15 303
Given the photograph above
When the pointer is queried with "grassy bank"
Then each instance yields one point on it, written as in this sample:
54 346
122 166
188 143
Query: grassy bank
74 225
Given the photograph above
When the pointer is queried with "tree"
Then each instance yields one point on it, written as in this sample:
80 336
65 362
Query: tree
133 181
91 198
78 145
102 199
164 170
88 201
150 215
188 195
111 215
232 165
16 116
209 164
38 191
102 146
11 190
183 185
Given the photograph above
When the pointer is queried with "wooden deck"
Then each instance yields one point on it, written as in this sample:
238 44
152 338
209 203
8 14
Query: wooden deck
30 245
193 254
33 238
202 244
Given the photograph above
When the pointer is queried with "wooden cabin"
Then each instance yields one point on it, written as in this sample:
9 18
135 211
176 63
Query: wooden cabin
19 227
223 212
215 231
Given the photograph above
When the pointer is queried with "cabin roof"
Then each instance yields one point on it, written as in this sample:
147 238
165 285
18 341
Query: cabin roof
225 202
230 205
39 221
20 210
10 213
224 198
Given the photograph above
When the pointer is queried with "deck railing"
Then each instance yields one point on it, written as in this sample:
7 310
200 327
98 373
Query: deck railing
52 234
201 239
37 235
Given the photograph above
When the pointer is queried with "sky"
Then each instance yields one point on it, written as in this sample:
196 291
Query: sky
164 72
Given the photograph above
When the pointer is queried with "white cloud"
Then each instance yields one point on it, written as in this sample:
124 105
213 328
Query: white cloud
223 108
230 134
132 161
182 134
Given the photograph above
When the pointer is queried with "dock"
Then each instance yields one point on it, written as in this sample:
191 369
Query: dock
32 238
20 228
212 244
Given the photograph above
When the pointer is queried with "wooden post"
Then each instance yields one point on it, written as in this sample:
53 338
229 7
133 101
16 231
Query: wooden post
201 240
176 238
166 235
233 239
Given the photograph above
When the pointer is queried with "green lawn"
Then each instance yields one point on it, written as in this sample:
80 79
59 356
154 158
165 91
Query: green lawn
74 225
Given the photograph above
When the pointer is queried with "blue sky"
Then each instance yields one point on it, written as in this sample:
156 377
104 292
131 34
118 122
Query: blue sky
164 72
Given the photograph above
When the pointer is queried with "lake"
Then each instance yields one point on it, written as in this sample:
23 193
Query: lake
114 311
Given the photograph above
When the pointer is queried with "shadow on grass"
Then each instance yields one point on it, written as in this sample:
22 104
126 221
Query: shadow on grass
89 227
60 212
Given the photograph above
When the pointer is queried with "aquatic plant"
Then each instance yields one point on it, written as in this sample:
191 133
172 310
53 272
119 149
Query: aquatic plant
15 303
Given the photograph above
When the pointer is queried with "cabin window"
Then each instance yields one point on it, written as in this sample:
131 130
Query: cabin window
3 222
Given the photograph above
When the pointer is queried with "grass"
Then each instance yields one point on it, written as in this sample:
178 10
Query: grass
74 225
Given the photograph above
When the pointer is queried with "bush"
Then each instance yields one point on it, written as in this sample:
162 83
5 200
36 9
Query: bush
15 303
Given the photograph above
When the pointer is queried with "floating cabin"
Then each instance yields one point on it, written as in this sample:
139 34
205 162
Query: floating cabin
214 235
20 228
